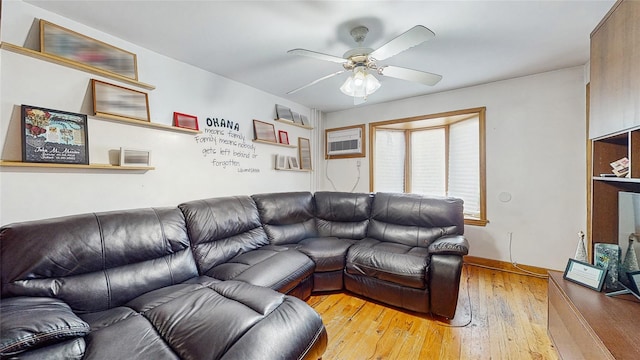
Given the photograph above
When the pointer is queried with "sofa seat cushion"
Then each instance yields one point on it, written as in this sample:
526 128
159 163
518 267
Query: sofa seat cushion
207 320
397 263
328 253
280 268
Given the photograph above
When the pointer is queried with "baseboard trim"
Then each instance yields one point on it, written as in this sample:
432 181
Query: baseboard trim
505 266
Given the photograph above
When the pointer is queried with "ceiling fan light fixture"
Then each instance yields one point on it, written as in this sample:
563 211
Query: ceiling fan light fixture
360 83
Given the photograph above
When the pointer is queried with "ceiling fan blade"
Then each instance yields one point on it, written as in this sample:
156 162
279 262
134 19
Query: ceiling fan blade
317 55
410 38
410 75
316 81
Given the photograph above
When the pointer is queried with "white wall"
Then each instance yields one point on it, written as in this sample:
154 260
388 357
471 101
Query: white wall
536 135
182 171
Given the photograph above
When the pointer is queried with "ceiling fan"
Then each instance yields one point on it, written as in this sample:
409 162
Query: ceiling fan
362 61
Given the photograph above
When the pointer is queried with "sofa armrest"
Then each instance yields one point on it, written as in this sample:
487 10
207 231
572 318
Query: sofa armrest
34 322
444 284
450 245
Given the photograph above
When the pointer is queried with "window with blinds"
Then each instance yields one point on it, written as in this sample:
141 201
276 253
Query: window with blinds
438 156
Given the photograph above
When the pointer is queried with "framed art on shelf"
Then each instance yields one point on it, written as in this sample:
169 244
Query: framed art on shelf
54 136
585 274
119 102
70 45
134 157
304 153
283 113
281 162
185 121
293 163
283 137
264 131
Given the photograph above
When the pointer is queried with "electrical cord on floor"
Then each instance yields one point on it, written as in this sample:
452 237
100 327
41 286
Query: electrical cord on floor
516 264
468 301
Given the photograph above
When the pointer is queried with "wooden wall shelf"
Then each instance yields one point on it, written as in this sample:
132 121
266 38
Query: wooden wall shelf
288 122
296 170
72 64
273 143
146 124
74 166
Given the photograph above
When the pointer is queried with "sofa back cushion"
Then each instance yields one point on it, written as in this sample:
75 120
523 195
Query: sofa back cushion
414 220
94 262
222 228
287 217
343 215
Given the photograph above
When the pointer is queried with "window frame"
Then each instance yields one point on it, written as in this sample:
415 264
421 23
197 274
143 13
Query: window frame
432 121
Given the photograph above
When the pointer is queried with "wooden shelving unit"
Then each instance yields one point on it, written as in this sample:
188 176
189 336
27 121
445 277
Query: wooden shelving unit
273 143
72 64
296 170
288 122
4 163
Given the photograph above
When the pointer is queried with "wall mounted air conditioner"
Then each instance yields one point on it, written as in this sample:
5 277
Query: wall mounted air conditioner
344 142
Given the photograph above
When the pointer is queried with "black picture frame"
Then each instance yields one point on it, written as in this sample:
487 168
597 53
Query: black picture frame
585 274
634 281
54 136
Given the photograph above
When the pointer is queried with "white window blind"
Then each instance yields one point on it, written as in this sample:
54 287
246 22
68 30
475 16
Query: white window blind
464 165
428 162
388 168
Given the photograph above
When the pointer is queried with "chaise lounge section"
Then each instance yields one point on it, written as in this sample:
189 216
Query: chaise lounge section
221 278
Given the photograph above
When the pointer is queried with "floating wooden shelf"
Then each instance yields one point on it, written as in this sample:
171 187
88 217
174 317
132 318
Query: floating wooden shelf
72 64
273 143
75 166
145 124
289 122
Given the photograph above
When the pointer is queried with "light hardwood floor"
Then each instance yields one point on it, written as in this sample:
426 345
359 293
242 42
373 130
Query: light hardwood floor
501 316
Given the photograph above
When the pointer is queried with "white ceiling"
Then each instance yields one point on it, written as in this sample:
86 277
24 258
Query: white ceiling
476 41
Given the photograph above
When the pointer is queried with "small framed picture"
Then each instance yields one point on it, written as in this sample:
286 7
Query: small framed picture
283 137
134 157
304 153
281 162
283 113
634 281
296 118
585 274
54 136
293 162
264 131
185 121
114 101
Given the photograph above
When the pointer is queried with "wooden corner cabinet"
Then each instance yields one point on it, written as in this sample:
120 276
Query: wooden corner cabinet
586 324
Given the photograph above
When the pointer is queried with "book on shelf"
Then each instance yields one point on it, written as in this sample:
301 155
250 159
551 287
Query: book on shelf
620 167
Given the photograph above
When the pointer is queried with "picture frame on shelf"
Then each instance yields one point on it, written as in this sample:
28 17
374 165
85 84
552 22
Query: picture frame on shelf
296 118
293 162
134 157
304 121
67 44
54 136
283 137
114 101
185 121
585 274
304 153
634 281
283 113
264 131
281 162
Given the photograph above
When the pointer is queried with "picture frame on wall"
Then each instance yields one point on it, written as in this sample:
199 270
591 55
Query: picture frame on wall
283 136
304 153
54 136
293 162
72 46
185 121
114 101
264 131
281 162
283 113
134 157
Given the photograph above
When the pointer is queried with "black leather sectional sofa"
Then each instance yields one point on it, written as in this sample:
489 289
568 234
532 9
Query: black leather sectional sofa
220 278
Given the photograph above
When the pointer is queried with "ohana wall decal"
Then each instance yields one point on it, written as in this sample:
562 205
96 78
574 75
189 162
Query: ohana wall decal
225 147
